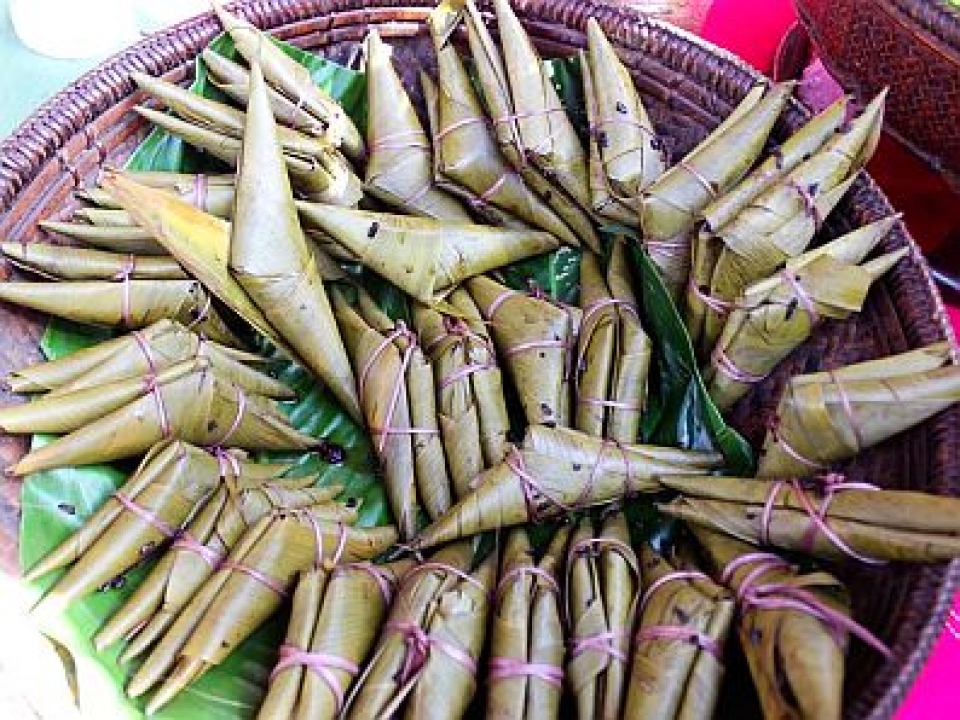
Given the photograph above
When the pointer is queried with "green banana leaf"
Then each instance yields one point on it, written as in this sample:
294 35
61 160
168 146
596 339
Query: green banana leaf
162 151
681 413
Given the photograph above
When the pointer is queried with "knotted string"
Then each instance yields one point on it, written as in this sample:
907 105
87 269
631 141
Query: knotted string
419 645
186 541
751 594
818 516
458 125
605 643
322 664
458 329
399 332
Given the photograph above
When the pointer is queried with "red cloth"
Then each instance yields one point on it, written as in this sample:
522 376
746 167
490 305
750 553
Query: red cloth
754 30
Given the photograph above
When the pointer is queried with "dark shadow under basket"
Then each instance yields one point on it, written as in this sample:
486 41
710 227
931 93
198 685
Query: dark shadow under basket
689 87
912 46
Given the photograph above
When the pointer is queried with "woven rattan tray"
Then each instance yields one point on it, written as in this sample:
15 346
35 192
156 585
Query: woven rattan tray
688 87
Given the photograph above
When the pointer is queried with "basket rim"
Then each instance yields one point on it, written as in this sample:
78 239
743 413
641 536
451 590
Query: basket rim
40 138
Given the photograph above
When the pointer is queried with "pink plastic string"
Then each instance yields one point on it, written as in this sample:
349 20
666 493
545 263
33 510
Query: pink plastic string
503 668
630 407
498 302
265 580
483 199
125 301
683 633
128 268
604 643
322 664
320 561
383 433
783 596
531 487
517 572
188 542
418 139
200 192
723 363
801 294
774 428
152 388
818 516
419 645
700 178
226 462
238 418
848 410
148 516
450 569
718 305
452 127
677 576
144 345
384 580
667 248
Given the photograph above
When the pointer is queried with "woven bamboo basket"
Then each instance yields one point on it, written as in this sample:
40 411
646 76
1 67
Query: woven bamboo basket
911 45
688 86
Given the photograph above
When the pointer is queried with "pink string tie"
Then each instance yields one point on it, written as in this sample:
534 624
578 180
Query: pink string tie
684 634
773 426
262 578
322 664
188 542
385 581
723 363
148 516
532 488
605 643
783 596
419 644
803 297
717 305
502 668
818 516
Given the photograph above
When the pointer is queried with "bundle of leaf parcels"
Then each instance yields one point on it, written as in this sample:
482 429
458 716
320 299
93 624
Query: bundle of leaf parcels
400 266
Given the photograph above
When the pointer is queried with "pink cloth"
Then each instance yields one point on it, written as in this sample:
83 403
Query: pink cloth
753 30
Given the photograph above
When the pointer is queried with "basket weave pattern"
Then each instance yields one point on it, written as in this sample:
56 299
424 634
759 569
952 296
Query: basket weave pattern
911 45
688 87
